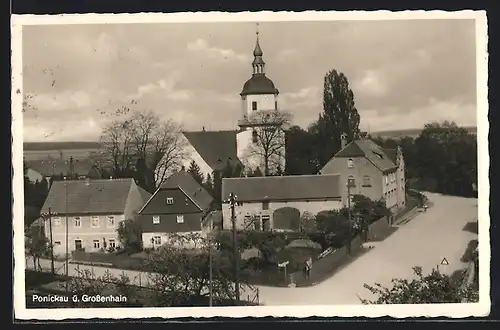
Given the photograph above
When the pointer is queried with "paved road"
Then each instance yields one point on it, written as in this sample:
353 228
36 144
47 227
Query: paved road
424 241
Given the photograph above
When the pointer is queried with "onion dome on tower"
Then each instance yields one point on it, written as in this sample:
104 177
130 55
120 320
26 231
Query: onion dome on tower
258 83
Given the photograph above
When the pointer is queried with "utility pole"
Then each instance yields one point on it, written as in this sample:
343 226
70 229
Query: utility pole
51 243
232 204
350 184
67 231
210 275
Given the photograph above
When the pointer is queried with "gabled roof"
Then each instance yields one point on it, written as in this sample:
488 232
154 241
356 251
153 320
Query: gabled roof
217 148
46 146
188 185
392 154
48 167
368 149
283 188
88 196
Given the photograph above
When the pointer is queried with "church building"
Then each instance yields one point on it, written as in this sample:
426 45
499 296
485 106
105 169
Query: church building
259 141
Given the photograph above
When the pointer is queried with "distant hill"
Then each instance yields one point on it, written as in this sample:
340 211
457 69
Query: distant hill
409 132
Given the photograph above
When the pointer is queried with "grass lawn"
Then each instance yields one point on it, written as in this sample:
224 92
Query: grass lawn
115 260
268 273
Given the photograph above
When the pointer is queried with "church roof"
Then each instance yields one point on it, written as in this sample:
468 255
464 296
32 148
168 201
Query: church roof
259 84
217 148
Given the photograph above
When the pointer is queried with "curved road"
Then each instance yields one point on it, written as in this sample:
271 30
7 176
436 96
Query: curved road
424 241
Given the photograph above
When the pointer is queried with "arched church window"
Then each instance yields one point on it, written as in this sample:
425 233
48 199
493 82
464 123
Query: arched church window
275 105
254 105
254 136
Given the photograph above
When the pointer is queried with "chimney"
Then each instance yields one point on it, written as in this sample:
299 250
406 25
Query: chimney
343 140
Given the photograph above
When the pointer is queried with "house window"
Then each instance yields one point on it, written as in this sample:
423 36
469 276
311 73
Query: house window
97 244
112 243
156 220
254 105
57 222
351 182
170 200
180 219
350 163
366 181
57 242
386 179
77 221
95 222
265 205
111 221
157 240
266 223
247 221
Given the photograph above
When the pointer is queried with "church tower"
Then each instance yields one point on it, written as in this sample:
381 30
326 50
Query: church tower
259 92
261 119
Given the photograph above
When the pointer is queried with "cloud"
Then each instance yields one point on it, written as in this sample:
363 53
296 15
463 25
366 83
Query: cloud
372 83
201 45
287 55
435 110
163 88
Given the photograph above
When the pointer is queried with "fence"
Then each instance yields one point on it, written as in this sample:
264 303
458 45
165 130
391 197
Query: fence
379 230
326 265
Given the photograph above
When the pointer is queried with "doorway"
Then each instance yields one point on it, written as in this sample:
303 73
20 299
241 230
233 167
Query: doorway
78 245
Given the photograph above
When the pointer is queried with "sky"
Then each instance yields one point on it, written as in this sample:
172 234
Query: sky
403 73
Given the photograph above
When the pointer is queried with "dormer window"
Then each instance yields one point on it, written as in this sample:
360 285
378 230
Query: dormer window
350 163
170 200
254 105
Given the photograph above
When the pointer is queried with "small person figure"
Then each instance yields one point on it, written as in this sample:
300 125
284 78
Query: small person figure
308 268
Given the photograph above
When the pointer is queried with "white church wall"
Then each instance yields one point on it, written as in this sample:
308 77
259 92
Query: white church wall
190 155
264 102
250 160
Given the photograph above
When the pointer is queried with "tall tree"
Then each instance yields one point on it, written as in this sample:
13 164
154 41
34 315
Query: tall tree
145 147
299 156
209 184
269 139
447 158
195 171
339 116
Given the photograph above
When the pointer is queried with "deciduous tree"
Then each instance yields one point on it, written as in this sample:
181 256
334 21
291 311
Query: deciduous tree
181 273
143 146
269 139
423 289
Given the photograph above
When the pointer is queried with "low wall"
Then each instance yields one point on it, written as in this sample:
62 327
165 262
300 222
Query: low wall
327 265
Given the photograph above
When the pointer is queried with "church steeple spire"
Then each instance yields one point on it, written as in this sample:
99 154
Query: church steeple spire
258 63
